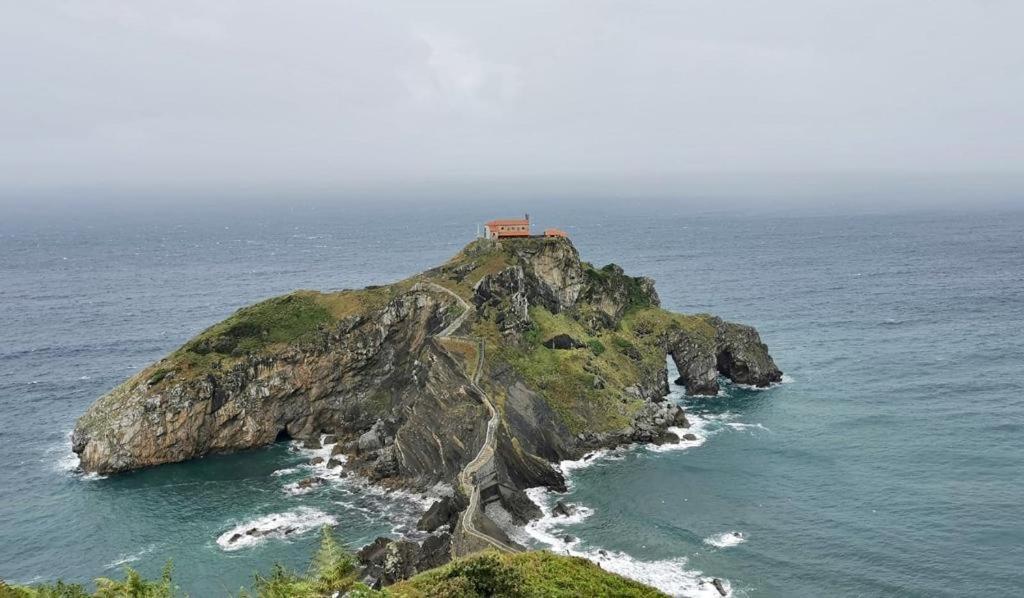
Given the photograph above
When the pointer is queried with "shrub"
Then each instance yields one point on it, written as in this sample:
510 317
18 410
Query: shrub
596 346
135 586
626 348
485 575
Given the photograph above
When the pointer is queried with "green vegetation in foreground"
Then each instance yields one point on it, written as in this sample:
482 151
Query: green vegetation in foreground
333 572
528 574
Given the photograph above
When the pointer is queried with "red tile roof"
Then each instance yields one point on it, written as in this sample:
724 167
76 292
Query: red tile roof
509 223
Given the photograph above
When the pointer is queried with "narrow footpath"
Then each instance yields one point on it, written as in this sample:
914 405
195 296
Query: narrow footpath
467 479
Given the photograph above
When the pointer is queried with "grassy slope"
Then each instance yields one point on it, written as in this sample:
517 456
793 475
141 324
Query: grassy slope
268 327
566 377
527 574
333 572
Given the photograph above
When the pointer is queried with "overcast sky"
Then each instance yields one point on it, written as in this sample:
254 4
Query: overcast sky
644 98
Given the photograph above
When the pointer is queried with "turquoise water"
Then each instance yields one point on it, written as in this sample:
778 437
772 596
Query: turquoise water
890 464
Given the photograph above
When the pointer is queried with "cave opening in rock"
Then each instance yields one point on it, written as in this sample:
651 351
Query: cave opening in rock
283 436
728 366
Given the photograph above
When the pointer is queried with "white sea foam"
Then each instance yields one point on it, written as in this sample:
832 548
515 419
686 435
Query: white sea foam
698 427
399 508
742 426
726 539
126 558
670 575
786 379
66 462
276 525
298 489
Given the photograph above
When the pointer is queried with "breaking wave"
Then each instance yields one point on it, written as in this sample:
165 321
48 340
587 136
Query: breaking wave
725 539
277 526
669 575
124 559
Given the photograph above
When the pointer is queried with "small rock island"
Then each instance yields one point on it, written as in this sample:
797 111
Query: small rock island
477 375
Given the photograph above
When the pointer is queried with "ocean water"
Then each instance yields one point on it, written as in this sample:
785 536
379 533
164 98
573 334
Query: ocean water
890 463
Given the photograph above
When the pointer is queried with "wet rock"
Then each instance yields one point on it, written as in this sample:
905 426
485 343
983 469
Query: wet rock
719 586
689 436
443 512
677 417
667 438
311 482
334 463
316 461
563 509
312 443
329 439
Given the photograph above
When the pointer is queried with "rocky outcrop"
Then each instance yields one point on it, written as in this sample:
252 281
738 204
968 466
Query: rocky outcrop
347 381
386 561
734 351
503 295
572 357
442 513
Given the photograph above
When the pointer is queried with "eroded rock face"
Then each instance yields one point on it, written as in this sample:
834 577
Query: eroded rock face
387 561
736 352
505 294
555 272
401 405
344 384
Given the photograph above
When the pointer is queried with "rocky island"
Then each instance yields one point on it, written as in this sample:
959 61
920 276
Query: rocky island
477 375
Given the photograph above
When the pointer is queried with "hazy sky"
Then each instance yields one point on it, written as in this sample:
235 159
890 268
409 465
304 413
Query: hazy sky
637 97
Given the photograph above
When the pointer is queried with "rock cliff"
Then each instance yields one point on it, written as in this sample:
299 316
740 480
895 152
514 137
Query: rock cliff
573 358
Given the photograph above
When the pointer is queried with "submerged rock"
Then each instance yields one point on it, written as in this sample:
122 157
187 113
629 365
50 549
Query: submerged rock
311 482
563 509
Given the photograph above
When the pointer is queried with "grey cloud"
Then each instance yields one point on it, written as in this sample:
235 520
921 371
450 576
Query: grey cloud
653 96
